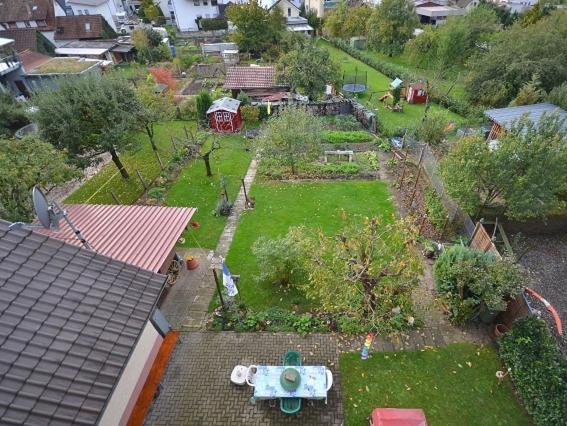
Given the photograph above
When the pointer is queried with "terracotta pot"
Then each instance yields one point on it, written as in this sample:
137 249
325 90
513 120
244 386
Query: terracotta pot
192 263
500 329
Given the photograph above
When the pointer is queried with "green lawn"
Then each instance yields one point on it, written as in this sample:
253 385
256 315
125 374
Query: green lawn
282 205
194 189
97 190
453 385
390 121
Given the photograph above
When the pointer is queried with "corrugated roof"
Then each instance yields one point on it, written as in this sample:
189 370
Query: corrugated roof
224 104
140 235
250 78
505 117
69 321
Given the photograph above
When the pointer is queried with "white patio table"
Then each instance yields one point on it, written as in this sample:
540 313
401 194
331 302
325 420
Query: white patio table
313 384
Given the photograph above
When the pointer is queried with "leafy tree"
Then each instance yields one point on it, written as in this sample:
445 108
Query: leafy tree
505 16
422 49
200 145
12 115
496 75
291 136
250 113
433 128
530 93
149 11
204 102
526 169
155 107
391 25
256 28
314 21
558 96
355 23
335 21
23 164
164 75
95 115
308 69
366 271
149 46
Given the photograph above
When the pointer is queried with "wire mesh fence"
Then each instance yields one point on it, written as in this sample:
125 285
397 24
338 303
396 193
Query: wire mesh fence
421 154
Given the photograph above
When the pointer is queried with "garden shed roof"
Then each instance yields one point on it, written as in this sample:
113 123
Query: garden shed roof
69 321
224 104
505 117
250 78
140 235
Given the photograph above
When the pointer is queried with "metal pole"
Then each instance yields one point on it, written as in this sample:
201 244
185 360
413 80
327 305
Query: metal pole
142 180
245 194
217 282
418 174
76 230
115 197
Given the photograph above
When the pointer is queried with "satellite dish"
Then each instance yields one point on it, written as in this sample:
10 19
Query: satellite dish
43 209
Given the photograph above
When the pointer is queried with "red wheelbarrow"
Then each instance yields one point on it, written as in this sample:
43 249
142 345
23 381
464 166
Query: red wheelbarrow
397 417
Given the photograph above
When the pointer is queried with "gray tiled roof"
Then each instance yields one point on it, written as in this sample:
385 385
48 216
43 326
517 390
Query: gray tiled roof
224 104
69 320
507 116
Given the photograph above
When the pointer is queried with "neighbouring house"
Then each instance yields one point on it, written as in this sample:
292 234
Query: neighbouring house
503 118
144 236
38 14
79 332
321 7
467 5
10 66
299 24
185 14
416 93
434 14
517 6
224 115
85 27
110 10
256 82
289 8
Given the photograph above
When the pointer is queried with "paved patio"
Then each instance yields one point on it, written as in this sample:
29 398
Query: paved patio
196 388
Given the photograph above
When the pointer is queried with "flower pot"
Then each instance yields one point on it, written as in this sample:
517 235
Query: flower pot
192 263
500 329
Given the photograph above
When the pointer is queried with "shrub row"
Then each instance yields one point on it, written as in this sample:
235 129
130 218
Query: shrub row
337 137
212 24
538 369
456 105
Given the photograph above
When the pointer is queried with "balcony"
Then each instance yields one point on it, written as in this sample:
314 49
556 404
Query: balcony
9 63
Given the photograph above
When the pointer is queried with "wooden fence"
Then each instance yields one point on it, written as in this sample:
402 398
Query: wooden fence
480 240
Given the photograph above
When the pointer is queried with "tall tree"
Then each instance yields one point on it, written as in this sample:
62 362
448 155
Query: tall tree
335 20
25 163
88 116
496 75
292 136
256 28
524 171
308 68
12 115
391 25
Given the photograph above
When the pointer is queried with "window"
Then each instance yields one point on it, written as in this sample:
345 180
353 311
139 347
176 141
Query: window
80 12
218 117
172 14
196 3
205 3
226 116
88 27
86 11
289 11
27 24
214 2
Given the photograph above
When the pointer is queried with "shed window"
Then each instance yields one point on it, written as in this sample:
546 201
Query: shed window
87 27
218 117
226 116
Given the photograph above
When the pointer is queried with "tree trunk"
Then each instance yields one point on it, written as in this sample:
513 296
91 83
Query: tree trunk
207 165
150 132
118 163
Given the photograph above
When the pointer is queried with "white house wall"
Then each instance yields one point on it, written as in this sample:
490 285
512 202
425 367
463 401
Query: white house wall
288 9
107 10
125 395
186 12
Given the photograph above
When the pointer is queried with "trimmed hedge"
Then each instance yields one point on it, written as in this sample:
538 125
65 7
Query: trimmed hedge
456 105
538 369
337 137
212 24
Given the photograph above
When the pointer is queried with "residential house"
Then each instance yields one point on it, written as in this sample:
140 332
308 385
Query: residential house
504 118
256 82
518 6
289 8
10 66
321 7
185 14
26 14
467 5
299 24
110 10
435 14
79 332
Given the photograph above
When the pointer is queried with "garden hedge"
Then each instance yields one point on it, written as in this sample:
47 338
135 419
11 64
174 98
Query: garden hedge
456 105
354 136
538 370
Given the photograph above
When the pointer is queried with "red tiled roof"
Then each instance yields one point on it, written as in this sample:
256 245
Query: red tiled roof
250 78
31 59
75 27
139 235
31 10
25 38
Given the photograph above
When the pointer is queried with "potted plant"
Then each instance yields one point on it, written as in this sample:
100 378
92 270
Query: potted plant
192 262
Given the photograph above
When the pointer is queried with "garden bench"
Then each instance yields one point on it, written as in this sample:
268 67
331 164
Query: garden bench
340 154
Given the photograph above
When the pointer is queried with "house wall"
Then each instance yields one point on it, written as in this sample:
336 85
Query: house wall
288 9
133 378
187 11
316 5
108 11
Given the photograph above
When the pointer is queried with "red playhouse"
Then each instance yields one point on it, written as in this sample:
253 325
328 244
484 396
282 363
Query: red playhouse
416 93
224 115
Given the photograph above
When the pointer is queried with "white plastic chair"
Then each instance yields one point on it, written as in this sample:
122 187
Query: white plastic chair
251 375
239 375
329 376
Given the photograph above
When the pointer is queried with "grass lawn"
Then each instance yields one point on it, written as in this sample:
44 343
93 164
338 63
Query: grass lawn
97 190
282 205
453 385
390 121
194 189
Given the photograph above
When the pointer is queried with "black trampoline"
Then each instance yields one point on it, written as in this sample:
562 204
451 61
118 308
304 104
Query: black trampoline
355 82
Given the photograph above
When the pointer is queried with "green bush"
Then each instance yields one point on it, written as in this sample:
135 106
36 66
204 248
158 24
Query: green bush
538 370
474 282
213 24
337 137
346 122
432 129
187 110
203 103
250 113
436 211
368 161
340 168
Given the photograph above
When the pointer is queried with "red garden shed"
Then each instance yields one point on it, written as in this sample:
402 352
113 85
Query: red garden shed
224 115
416 94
